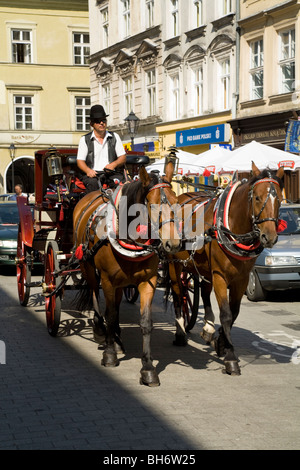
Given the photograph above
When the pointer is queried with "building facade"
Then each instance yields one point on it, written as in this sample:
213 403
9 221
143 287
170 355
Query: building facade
44 82
172 62
268 87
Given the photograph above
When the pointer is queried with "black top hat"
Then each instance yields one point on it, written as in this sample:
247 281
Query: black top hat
97 112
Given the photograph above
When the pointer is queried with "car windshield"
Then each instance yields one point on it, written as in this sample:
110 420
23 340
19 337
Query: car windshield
292 216
9 214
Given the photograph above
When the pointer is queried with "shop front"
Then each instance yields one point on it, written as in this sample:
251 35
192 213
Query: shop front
268 129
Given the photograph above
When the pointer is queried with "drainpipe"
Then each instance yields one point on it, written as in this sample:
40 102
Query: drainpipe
236 95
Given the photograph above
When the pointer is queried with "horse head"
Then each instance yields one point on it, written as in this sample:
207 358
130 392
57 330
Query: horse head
265 198
162 205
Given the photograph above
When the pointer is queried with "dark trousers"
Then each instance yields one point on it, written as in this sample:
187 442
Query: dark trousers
91 184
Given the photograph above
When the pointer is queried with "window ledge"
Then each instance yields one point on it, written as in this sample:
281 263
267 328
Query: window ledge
283 97
196 33
175 41
253 103
223 21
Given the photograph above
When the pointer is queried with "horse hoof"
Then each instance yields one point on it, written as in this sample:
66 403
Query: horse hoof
109 359
232 368
207 337
150 378
180 340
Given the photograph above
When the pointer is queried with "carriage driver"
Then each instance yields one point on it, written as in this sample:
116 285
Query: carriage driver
99 149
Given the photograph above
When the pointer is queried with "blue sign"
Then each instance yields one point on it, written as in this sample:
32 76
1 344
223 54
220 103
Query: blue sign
203 135
292 138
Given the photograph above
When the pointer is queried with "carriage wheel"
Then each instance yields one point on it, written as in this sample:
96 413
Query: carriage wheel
52 302
23 266
190 299
131 293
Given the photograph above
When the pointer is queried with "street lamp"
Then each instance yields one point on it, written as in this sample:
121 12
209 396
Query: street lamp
132 122
12 150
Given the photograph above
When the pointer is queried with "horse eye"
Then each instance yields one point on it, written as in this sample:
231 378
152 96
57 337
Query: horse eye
257 198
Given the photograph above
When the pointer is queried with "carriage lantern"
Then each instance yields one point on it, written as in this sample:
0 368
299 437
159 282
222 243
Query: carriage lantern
54 168
54 165
172 157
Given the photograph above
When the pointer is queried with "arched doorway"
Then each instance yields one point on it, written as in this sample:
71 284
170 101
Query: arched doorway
20 171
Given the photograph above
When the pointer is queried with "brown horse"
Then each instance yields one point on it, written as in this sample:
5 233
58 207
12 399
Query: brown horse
239 223
124 262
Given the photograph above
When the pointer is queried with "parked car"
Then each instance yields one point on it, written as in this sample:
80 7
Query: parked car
6 197
278 268
9 220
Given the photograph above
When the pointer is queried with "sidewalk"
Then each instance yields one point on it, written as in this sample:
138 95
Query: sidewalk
56 395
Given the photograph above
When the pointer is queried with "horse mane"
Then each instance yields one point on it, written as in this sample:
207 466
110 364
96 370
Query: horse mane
136 192
266 173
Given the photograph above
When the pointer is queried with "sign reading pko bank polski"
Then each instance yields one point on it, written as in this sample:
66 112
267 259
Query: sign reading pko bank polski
203 135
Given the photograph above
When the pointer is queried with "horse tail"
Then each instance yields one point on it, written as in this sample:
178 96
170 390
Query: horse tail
84 298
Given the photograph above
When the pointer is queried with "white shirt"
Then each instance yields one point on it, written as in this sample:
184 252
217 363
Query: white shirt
100 150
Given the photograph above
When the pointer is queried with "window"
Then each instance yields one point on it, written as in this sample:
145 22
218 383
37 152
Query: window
198 13
21 46
104 14
106 98
23 112
149 13
227 7
287 60
175 18
82 110
128 104
198 90
174 98
151 92
126 18
256 70
81 48
225 84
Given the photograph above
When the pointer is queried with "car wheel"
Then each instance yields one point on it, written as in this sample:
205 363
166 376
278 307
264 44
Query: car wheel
255 291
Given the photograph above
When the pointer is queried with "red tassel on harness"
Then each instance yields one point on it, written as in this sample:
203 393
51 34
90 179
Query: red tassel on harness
79 252
142 230
282 225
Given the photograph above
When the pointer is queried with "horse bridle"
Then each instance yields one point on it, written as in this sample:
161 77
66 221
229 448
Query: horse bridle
256 218
163 200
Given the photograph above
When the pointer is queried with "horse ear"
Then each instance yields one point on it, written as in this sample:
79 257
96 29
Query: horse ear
144 176
169 171
255 170
280 172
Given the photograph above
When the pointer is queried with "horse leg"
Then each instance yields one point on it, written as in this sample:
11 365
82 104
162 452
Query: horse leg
99 329
176 287
93 281
119 348
149 375
109 358
208 330
223 343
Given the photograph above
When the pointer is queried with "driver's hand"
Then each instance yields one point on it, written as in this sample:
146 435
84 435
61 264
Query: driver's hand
91 173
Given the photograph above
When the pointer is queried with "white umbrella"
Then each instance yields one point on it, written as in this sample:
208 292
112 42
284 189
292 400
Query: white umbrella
187 164
212 160
263 156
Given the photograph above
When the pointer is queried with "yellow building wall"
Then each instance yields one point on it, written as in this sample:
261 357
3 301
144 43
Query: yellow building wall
52 78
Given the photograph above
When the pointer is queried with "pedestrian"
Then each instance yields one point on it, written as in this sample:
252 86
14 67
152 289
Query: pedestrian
18 192
99 149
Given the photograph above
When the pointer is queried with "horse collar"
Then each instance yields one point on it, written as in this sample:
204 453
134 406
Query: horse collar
245 246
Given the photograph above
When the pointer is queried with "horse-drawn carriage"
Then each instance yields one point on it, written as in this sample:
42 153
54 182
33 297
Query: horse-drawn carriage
62 235
236 224
46 229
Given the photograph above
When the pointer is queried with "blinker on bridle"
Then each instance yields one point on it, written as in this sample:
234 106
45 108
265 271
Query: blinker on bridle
256 218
